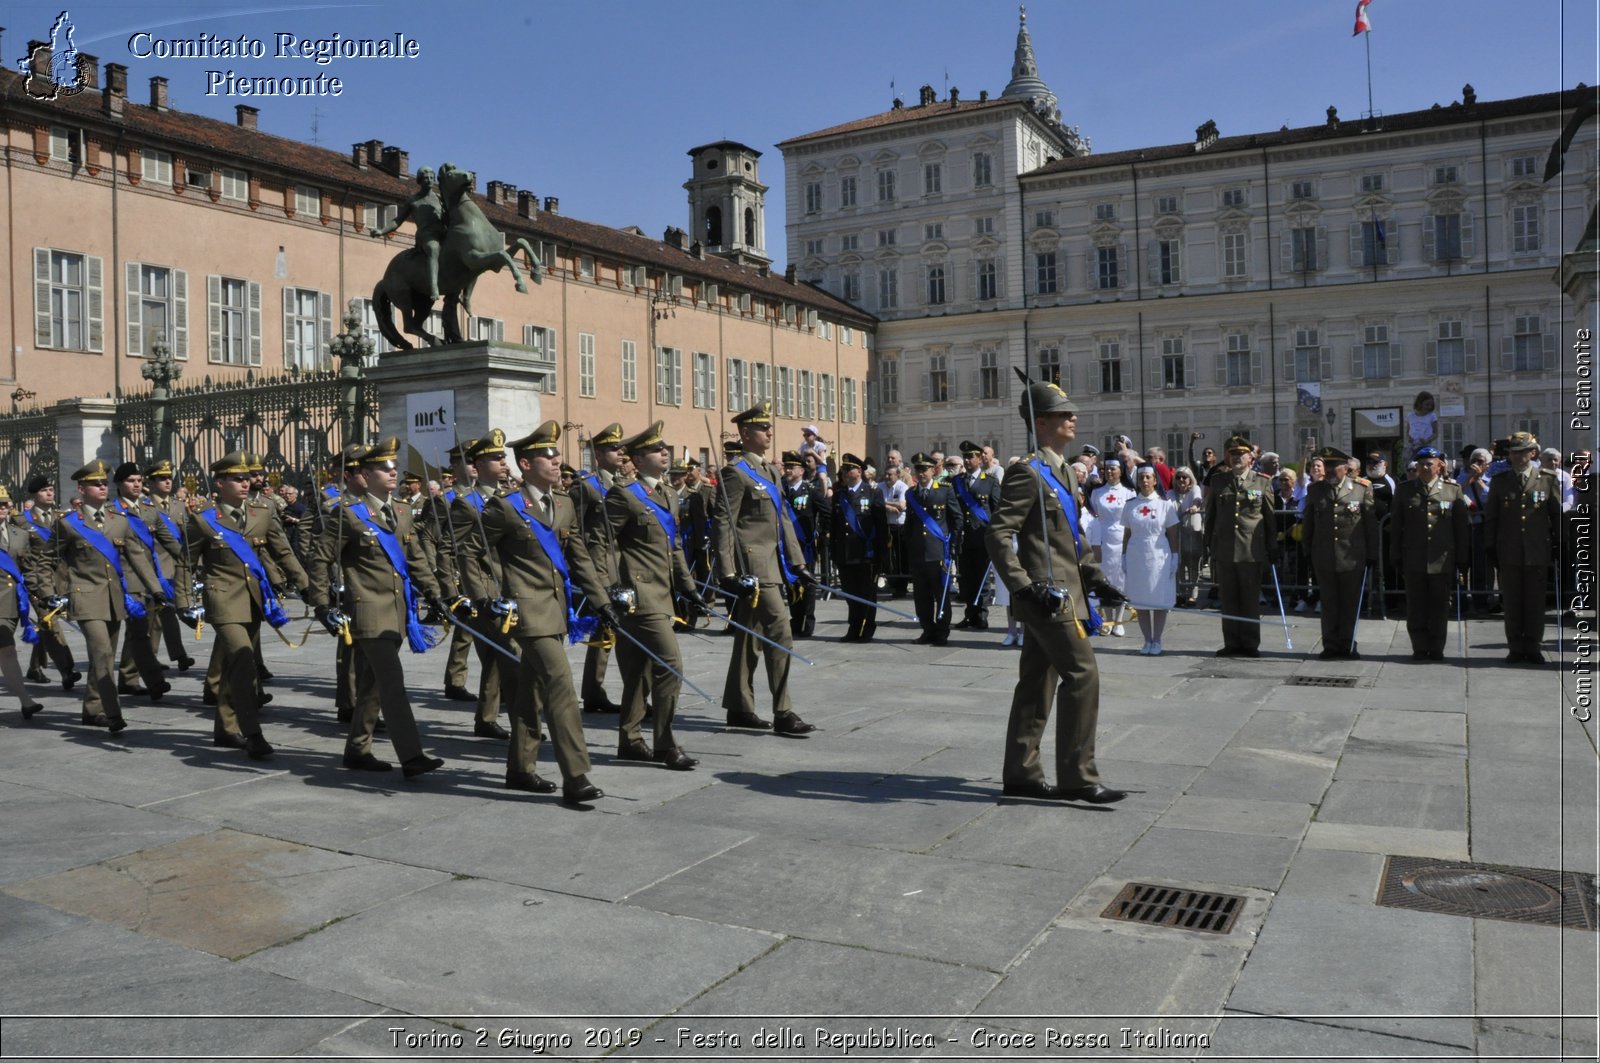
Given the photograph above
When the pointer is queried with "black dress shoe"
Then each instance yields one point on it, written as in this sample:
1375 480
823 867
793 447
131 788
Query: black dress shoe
1227 651
100 720
791 724
420 764
264 675
365 762
118 724
1030 789
257 747
227 739
1420 655
208 698
1513 657
130 688
750 720
264 699
29 710
185 663
601 707
1534 657
1248 653
459 693
939 640
36 675
965 625
490 729
71 679
160 689
1094 794
635 750
531 781
1352 655
578 789
923 639
675 759
1328 655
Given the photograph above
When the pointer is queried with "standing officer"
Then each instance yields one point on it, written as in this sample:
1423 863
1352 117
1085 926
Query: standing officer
806 504
373 544
171 514
1521 526
1241 536
437 533
138 656
651 565
90 551
226 542
40 521
979 492
497 681
354 485
1341 534
544 560
932 537
860 536
21 584
589 497
1050 579
1431 540
758 560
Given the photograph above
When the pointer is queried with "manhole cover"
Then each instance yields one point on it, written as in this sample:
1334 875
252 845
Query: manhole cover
1490 891
1141 902
1322 680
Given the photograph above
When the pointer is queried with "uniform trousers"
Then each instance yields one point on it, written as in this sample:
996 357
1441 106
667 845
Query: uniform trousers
497 675
803 611
544 690
769 615
931 591
1239 590
1522 597
51 646
594 674
1057 666
643 678
1341 603
861 581
100 692
381 689
455 665
168 629
1430 602
138 659
238 693
216 680
972 570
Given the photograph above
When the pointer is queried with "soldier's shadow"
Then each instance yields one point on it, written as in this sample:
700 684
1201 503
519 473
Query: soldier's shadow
858 787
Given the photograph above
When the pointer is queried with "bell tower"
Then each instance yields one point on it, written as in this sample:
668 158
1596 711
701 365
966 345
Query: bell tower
727 202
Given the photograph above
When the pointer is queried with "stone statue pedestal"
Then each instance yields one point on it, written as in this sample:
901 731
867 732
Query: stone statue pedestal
1579 277
477 386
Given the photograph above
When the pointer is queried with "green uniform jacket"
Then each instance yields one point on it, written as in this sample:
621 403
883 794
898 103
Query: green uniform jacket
174 565
1521 523
590 506
232 595
1430 532
530 577
1341 529
648 562
1239 523
87 578
27 550
374 591
167 546
438 542
464 526
755 525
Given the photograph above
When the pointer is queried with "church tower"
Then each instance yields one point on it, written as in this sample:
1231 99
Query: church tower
727 202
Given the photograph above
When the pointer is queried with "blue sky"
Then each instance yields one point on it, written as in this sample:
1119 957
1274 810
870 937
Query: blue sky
597 102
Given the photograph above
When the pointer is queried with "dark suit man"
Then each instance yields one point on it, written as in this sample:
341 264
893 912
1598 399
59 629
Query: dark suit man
1241 536
807 501
979 492
1430 541
1341 536
932 540
1522 525
860 537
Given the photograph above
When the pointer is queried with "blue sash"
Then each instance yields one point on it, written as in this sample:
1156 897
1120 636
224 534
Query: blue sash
450 495
807 547
108 550
579 629
928 522
781 505
271 608
142 530
419 638
594 481
970 500
474 499
664 517
8 565
43 530
1069 507
331 492
853 520
172 525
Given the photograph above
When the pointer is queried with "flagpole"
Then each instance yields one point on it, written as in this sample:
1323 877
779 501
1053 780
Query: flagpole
1372 119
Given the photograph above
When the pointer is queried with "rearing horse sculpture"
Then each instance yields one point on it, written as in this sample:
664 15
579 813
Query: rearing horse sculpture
470 248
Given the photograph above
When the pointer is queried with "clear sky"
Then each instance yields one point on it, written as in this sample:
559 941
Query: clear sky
597 102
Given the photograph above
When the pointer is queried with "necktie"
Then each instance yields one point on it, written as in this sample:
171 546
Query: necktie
388 515
549 507
99 518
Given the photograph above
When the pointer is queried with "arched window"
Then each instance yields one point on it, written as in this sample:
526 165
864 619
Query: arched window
750 227
713 226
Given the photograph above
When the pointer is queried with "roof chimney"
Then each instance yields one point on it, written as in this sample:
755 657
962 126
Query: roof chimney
927 97
158 93
675 237
552 205
955 96
244 116
39 52
788 273
502 194
397 162
527 204
1469 95
89 70
116 90
358 155
698 250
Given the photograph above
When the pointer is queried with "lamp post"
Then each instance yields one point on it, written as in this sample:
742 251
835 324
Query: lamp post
352 348
162 372
1332 418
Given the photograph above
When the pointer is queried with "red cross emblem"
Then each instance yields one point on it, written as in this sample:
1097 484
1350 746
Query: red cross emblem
1146 511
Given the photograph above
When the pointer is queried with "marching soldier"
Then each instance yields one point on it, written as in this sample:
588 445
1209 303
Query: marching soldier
544 561
226 542
256 499
1521 526
1341 535
932 538
696 504
350 485
1241 536
807 510
1431 542
1050 574
860 535
979 492
374 544
497 681
40 522
91 551
463 474
758 559
138 657
20 583
652 566
588 496
171 513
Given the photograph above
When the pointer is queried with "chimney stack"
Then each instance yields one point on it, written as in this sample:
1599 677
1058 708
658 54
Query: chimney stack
788 273
527 204
552 205
89 70
158 93
397 162
244 116
39 52
358 155
116 91
502 194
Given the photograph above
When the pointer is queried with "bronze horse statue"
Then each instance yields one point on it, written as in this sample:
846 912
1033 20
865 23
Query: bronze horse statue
470 247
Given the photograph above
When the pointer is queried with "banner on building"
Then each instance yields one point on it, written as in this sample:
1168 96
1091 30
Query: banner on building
430 424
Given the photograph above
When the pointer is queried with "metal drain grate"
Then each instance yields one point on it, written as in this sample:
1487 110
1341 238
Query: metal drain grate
1140 902
1490 891
1322 680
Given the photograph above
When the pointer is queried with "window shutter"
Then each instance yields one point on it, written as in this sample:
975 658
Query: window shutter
1188 371
289 357
1152 260
1286 251
1397 358
324 353
135 310
1355 362
1430 360
974 384
1066 372
214 314
1219 363
255 323
1356 260
1095 375
1470 356
41 297
1156 364
951 378
1255 368
1508 353
1549 350
180 315
927 388
1429 223
1322 247
1127 373
1287 366
1325 356
94 281
1466 234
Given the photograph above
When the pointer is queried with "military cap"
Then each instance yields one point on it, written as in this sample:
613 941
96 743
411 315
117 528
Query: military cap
1523 441
1041 398
454 453
1429 452
157 469
544 441
125 470
1237 443
757 416
5 496
850 461
235 463
691 463
1091 450
37 482
96 472
969 449
732 448
680 467
384 450
350 458
648 439
411 478
919 460
491 445
609 436
792 457
568 470
1333 454
255 461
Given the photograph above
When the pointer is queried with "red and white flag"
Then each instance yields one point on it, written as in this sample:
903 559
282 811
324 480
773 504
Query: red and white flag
1363 23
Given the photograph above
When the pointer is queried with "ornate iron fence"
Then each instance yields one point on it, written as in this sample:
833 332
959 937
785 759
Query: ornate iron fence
28 445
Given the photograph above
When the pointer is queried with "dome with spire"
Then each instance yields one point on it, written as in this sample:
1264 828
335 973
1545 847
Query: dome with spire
1026 83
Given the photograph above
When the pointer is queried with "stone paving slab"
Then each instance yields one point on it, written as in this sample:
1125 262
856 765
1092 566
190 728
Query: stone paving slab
1395 804
1400 841
1270 774
1248 1036
1214 856
53 832
1279 819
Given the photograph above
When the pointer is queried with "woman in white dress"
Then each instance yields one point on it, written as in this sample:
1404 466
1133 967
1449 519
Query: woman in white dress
1149 528
1106 502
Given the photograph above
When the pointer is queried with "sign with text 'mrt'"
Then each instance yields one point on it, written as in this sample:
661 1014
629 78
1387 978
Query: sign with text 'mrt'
430 424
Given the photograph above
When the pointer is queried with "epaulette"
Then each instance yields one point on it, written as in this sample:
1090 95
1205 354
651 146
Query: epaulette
1363 481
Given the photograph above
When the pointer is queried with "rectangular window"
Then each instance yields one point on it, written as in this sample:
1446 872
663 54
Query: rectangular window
1372 182
851 288
1172 364
850 242
1444 175
705 380
197 178
983 226
785 401
813 247
1307 356
307 328
1238 360
1106 268
1446 237
1050 365
738 388
1233 255
153 304
1525 228
68 302
60 144
156 166
885 186
1527 344
231 316
1045 272
630 371
932 178
586 365
369 328
933 231
935 285
988 279
760 383
889 381
1375 352
1233 197
1374 243
888 289
586 267
844 335
1105 212
885 237
938 378
1302 190
1044 219
307 201
982 169
485 329
813 197
1166 204
1523 166
804 386
235 185
1167 262
1110 366
1303 249
847 400
847 191
669 376
988 375
825 396
1450 349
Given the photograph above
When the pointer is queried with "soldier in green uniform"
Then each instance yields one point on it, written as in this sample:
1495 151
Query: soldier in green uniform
1241 536
1431 543
1521 529
21 575
436 532
40 520
138 658
588 495
758 558
1340 535
497 681
171 514
351 485
650 564
1050 575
